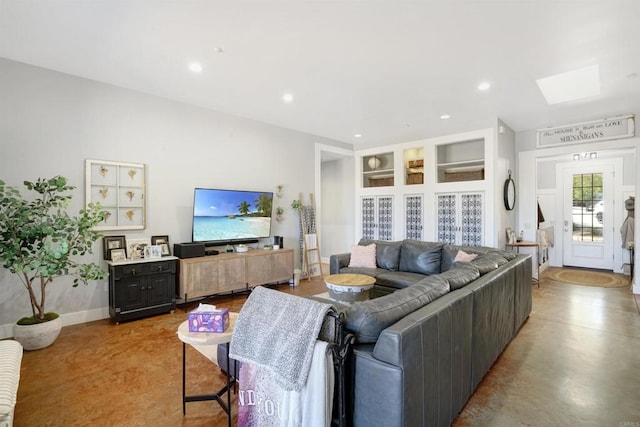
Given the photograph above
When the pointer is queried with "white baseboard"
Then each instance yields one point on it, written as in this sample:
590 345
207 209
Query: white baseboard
6 331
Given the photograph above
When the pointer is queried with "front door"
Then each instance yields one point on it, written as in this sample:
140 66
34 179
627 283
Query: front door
588 216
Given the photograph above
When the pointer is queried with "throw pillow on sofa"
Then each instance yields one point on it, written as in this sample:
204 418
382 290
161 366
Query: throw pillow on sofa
462 256
363 256
368 318
421 257
387 253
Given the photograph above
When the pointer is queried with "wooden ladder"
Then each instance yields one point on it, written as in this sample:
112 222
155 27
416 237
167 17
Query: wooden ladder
311 243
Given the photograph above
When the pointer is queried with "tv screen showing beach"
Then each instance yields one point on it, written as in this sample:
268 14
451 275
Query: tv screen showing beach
226 215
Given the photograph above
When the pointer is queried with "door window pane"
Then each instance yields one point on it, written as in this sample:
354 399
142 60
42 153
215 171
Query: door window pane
588 207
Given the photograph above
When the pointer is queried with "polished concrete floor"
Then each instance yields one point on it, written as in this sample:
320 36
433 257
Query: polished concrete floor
576 361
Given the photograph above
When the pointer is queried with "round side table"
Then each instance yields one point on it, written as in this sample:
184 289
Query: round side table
348 288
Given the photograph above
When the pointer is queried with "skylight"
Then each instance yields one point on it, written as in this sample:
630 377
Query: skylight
572 85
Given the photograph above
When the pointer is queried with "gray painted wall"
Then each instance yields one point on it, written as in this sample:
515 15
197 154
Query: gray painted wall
51 122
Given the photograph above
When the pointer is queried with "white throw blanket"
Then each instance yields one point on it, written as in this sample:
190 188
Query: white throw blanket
263 403
278 331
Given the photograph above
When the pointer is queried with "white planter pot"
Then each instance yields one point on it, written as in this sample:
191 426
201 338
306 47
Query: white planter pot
41 335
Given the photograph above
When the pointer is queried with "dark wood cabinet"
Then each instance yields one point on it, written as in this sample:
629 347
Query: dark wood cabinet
141 288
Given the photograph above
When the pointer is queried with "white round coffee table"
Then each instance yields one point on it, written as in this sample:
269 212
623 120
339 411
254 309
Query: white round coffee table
349 288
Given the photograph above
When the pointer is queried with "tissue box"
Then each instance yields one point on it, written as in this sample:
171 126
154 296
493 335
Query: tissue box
209 321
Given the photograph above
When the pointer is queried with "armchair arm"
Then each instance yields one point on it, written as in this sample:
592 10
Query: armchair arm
338 261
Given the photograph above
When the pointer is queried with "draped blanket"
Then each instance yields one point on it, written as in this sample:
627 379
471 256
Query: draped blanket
277 331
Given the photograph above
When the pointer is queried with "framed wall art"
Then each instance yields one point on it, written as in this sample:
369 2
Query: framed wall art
120 189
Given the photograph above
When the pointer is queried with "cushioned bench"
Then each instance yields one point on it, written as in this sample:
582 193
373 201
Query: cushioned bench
10 359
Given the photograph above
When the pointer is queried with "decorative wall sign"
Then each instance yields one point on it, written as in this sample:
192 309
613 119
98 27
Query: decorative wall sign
598 130
120 189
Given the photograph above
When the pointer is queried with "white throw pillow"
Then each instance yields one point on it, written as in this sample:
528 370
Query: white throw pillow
462 256
363 256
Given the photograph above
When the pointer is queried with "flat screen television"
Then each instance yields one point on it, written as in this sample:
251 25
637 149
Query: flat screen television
222 217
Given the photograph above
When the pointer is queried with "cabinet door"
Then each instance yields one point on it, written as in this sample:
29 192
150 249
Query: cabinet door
160 288
231 274
460 218
130 293
414 214
270 267
198 278
377 217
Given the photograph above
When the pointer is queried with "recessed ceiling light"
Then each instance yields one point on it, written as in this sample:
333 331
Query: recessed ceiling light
357 135
445 116
484 86
218 49
288 98
196 67
572 85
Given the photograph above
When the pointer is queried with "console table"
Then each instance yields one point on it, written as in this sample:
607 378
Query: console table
525 244
139 288
228 272
198 340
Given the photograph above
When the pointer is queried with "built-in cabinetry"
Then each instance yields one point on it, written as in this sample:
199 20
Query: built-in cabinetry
460 218
446 188
376 214
227 272
141 288
460 161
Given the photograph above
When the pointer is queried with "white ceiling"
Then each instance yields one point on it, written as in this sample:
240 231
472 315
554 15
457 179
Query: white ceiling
384 69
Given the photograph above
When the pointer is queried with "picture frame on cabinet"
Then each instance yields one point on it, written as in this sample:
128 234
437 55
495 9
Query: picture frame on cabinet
163 241
135 247
152 252
118 254
120 189
109 243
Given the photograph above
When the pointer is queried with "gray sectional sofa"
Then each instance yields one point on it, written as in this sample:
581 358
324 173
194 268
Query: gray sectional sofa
432 330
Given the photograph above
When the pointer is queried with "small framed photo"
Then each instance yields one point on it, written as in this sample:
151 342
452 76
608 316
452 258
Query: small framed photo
166 251
109 243
135 247
152 251
157 240
118 255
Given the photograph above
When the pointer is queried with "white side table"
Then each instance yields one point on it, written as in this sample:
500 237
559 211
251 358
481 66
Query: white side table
197 340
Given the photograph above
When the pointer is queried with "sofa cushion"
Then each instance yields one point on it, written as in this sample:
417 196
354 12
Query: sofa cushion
387 253
461 274
398 279
363 256
373 272
449 253
421 257
368 318
488 262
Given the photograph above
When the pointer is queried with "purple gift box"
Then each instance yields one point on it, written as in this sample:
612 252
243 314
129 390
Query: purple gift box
209 321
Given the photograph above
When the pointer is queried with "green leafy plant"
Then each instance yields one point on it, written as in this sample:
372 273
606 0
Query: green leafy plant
296 205
39 240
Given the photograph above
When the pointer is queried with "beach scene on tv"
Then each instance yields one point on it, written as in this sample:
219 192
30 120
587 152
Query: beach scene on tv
229 214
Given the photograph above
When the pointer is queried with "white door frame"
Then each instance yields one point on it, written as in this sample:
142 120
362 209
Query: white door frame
615 196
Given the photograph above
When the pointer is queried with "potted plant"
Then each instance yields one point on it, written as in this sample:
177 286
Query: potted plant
40 241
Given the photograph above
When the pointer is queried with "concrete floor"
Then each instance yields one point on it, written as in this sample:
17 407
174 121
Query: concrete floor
576 361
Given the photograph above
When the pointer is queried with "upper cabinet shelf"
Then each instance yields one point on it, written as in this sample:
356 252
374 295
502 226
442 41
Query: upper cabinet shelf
461 161
378 170
414 165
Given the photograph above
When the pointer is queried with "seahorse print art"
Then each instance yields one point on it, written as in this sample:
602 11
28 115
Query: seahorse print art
130 195
130 215
132 173
103 170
